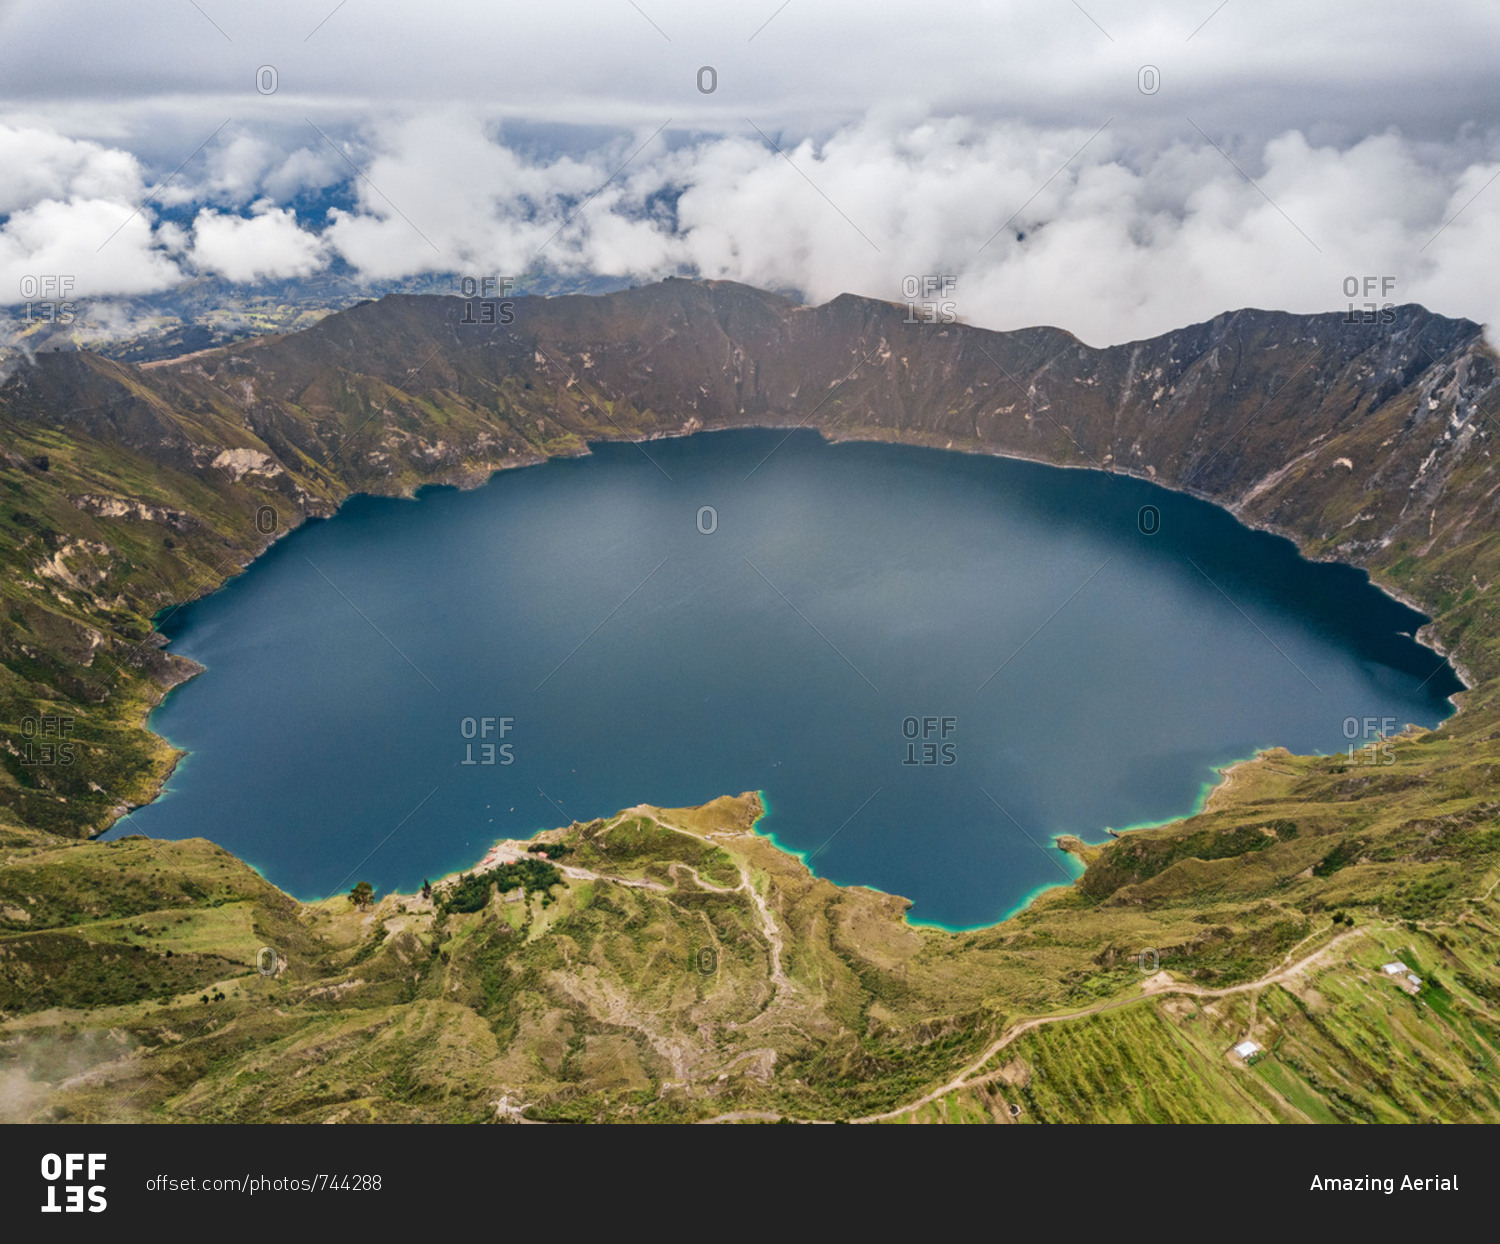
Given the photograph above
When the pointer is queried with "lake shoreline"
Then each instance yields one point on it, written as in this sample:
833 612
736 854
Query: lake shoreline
471 480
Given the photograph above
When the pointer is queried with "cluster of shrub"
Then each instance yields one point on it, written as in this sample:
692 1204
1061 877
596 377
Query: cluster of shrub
472 891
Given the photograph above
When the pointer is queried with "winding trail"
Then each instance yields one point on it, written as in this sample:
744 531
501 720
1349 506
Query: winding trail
779 979
1159 985
780 982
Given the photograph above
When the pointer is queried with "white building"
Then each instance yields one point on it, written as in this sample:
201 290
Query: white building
1395 969
1246 1048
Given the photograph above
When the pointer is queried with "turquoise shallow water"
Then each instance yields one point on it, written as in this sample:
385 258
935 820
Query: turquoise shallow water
931 663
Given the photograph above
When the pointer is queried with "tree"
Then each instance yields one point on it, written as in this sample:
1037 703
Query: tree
362 895
426 888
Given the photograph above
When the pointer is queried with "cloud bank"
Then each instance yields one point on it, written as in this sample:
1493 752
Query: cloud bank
1074 226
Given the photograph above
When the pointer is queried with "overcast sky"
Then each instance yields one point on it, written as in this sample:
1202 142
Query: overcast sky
1116 168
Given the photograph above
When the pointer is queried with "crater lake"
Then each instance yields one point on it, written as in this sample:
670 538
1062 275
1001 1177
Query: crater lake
929 663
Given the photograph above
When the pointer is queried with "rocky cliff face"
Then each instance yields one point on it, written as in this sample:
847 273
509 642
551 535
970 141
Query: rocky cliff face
131 488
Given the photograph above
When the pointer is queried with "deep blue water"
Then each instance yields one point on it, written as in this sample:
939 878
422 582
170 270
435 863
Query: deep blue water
1095 675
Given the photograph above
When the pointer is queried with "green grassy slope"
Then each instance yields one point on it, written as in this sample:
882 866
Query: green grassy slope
645 986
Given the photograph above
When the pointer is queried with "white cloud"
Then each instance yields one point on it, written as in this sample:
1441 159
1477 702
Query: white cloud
83 242
269 244
440 195
71 208
1103 232
1040 228
304 169
235 169
40 163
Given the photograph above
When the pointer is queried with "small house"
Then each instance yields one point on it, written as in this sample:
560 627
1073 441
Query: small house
1246 1048
1395 969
